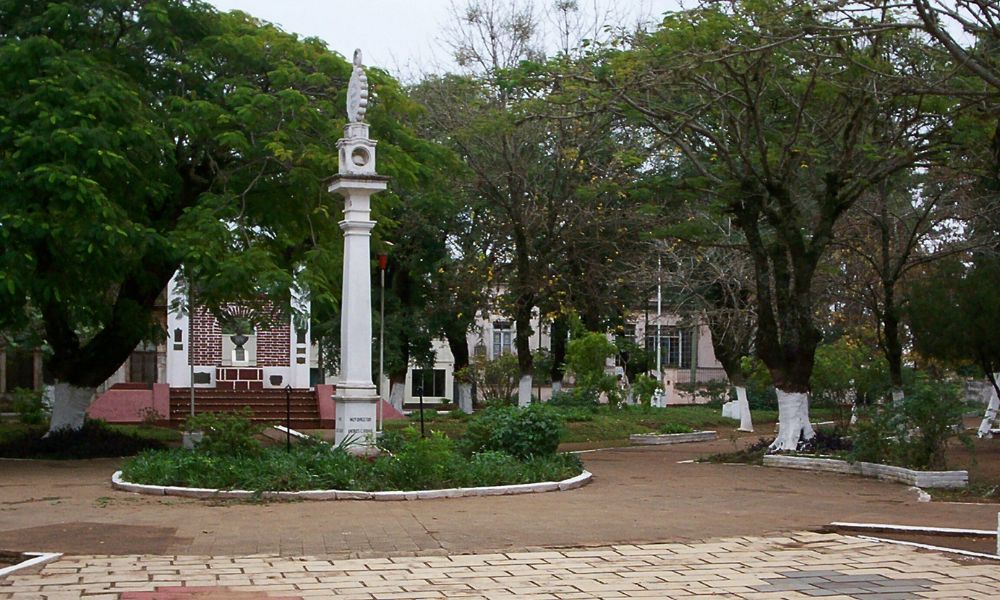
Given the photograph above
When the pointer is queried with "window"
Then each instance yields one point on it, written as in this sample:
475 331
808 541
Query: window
431 380
503 338
675 346
142 364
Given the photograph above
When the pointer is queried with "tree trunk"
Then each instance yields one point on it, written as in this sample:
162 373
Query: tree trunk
69 406
991 410
459 346
524 390
464 399
746 422
893 347
557 337
525 363
793 421
397 393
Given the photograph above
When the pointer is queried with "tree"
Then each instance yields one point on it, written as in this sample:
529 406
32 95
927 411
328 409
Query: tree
953 316
788 117
138 136
545 180
893 231
945 19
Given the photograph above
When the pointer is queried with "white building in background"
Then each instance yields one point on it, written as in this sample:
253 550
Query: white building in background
686 355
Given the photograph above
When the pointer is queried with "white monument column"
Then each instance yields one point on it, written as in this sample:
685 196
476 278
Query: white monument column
356 181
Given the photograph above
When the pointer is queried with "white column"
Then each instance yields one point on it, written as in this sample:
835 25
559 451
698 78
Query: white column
356 399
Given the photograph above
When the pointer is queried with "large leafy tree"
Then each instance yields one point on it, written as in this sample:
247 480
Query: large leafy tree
545 180
953 315
137 136
787 116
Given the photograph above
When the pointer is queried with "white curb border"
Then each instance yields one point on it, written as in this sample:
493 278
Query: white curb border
929 547
921 479
500 490
657 439
887 528
38 558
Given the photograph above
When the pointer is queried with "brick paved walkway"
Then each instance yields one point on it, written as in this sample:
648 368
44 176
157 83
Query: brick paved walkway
795 566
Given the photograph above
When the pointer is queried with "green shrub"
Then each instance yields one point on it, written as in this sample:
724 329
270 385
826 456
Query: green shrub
674 428
576 397
424 463
419 464
495 380
520 432
916 432
586 358
393 441
29 406
226 434
643 388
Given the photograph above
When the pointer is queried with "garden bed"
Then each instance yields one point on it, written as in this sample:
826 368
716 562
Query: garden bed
656 439
921 479
524 488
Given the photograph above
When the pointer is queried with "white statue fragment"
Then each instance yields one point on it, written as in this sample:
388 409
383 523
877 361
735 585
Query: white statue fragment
357 92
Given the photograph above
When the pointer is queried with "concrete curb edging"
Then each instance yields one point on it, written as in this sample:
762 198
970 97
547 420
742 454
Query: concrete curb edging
657 439
921 479
37 558
500 490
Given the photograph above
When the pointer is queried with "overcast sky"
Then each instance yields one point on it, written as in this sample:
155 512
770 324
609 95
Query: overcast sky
401 36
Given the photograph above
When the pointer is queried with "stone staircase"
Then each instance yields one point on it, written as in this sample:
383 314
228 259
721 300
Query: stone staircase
267 406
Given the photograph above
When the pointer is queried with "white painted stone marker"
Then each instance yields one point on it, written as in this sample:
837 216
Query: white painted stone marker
356 181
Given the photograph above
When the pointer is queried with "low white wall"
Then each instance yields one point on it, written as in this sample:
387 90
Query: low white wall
921 479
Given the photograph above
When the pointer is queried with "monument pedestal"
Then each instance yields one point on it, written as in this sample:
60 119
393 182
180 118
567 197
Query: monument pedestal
356 422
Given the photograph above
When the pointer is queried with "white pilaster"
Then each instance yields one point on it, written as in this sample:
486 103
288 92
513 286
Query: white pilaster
178 371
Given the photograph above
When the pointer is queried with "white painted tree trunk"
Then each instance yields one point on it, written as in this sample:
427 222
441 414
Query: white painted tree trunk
793 421
897 396
465 397
991 411
69 406
524 391
556 387
746 422
396 394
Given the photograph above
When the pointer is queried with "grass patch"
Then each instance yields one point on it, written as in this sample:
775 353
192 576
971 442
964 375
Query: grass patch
95 440
602 423
425 464
982 491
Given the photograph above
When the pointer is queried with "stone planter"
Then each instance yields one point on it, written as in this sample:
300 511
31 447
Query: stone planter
500 490
921 479
657 439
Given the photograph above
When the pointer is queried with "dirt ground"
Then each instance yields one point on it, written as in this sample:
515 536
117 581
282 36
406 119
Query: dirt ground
643 494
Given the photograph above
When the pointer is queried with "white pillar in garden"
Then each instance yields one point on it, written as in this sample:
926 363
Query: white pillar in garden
356 399
992 408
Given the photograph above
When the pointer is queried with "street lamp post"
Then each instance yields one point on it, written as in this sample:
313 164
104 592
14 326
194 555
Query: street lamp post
383 262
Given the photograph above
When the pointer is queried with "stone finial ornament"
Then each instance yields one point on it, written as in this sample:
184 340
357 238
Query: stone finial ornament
357 92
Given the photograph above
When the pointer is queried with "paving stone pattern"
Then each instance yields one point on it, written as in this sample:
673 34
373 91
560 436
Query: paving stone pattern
788 567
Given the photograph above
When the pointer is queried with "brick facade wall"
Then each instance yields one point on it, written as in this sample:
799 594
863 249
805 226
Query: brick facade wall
273 345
